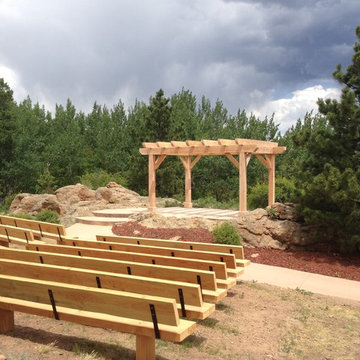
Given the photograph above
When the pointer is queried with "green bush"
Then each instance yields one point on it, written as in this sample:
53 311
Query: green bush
285 191
226 234
22 216
5 206
101 178
48 216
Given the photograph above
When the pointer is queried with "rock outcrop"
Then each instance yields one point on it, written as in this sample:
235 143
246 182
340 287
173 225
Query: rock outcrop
277 227
77 200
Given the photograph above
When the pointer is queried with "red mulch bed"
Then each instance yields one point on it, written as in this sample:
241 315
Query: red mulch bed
331 264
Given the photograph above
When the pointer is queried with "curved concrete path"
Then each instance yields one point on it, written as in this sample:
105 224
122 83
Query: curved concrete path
273 275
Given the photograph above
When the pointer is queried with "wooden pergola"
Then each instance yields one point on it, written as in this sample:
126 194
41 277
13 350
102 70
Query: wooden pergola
190 152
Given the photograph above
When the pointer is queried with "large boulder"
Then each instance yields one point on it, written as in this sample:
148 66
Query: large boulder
277 227
32 204
77 200
116 194
74 193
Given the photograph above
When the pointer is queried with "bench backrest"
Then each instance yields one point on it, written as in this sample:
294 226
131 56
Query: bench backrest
228 259
111 302
95 260
15 235
39 228
238 251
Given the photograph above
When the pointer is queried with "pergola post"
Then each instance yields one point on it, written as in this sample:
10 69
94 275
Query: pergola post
271 179
242 182
187 165
152 184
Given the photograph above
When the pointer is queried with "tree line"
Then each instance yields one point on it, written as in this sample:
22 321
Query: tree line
40 151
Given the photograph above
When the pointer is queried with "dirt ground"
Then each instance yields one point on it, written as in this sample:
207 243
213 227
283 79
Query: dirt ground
254 322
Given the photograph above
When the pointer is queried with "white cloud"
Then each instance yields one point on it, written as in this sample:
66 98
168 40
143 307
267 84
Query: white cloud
14 82
288 111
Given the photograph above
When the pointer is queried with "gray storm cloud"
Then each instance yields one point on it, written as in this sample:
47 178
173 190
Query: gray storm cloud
242 52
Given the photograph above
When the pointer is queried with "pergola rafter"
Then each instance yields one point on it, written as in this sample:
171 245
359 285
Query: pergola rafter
191 151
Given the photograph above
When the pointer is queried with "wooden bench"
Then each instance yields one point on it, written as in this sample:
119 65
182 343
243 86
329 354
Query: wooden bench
40 229
148 317
187 296
49 254
237 250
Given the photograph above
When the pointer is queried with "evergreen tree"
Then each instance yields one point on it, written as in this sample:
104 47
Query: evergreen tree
330 174
7 133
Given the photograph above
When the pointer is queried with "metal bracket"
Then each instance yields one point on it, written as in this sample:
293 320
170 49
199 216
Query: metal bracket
129 270
182 303
52 300
199 282
59 234
41 259
98 282
41 234
154 320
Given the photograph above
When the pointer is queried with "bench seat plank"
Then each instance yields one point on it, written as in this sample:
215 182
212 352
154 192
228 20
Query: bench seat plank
139 327
118 303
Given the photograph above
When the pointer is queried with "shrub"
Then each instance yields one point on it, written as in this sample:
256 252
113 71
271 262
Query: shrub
7 203
285 191
226 234
48 216
101 178
22 216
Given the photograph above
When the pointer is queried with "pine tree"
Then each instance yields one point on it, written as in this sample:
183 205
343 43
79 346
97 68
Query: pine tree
331 171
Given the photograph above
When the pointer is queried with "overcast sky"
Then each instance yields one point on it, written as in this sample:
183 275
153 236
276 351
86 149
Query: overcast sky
261 56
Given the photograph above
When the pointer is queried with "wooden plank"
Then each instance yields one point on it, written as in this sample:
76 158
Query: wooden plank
6 321
237 250
146 328
256 142
242 182
228 259
39 228
208 280
179 144
233 160
152 183
118 303
145 347
219 268
14 234
106 280
206 150
271 179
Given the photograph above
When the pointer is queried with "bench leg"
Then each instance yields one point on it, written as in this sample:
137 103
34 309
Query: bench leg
145 347
6 321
